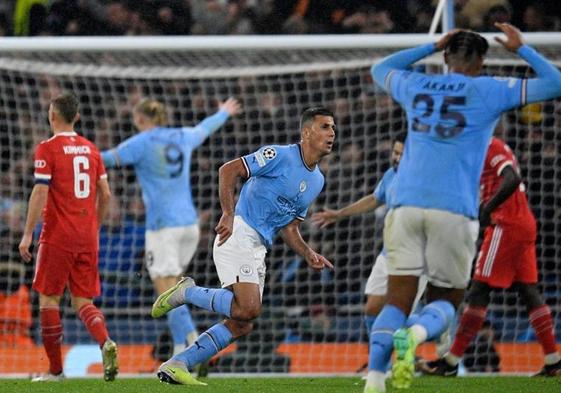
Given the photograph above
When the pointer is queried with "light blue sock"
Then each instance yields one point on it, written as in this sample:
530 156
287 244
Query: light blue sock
207 345
413 319
369 322
217 300
389 320
435 317
180 324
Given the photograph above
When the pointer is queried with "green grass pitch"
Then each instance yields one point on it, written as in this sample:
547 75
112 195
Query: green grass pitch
287 385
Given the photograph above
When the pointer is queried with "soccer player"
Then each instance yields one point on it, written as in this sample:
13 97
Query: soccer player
282 181
161 157
432 225
377 283
70 181
507 257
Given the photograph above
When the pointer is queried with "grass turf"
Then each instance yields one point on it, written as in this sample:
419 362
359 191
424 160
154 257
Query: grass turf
287 385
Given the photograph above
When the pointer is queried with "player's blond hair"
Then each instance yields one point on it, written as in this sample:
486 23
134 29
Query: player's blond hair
154 110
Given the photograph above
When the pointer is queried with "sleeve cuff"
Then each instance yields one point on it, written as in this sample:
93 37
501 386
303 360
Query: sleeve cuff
301 218
248 172
525 50
42 176
42 181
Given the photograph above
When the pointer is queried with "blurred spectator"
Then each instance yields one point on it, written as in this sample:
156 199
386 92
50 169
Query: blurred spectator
536 18
209 17
15 306
501 13
474 11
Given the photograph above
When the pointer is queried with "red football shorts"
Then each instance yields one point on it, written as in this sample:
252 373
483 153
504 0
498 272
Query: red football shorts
506 258
57 268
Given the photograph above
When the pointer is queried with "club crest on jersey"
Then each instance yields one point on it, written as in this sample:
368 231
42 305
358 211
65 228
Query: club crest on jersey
246 270
269 153
303 186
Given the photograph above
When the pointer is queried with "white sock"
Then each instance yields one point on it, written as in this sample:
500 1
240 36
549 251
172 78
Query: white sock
552 358
377 380
419 333
452 360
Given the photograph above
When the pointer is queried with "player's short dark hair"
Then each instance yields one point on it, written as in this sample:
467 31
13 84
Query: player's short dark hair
311 113
465 46
399 137
66 106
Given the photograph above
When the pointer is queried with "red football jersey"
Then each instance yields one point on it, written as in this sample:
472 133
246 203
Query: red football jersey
515 210
71 166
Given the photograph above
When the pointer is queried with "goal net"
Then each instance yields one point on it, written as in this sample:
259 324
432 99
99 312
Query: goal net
311 322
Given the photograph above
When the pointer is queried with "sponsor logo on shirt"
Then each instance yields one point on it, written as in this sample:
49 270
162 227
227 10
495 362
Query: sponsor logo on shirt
303 186
40 164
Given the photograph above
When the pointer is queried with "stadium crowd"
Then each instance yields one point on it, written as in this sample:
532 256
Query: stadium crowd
182 17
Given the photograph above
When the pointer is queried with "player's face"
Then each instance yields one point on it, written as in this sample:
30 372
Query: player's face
397 151
321 134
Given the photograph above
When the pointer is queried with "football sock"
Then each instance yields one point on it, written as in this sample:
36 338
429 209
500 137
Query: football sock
389 320
540 318
180 324
433 320
51 333
470 323
369 322
217 300
207 345
95 323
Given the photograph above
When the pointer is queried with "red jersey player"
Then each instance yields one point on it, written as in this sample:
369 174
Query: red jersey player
70 180
507 258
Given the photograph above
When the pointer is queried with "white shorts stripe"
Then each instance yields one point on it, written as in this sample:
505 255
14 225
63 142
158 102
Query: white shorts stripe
490 260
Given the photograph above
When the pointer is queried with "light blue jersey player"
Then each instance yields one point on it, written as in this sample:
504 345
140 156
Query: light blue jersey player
432 225
161 157
282 183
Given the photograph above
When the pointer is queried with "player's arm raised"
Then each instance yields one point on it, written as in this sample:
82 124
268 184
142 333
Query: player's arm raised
403 59
103 198
330 216
37 202
510 182
228 175
548 83
230 107
291 236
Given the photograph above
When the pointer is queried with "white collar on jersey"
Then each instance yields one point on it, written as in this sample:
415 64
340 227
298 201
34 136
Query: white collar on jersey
64 133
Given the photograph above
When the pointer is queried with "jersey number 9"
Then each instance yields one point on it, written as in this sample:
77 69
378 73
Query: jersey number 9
174 158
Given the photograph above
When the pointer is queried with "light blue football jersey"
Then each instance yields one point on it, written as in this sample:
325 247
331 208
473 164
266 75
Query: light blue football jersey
384 189
280 189
451 118
162 161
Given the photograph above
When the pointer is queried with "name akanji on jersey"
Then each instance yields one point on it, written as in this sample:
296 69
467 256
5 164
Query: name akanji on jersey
71 166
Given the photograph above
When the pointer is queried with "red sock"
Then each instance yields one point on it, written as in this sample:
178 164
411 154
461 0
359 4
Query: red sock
470 323
540 318
95 322
51 333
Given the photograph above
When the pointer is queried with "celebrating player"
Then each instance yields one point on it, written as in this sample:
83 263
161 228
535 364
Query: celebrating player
432 224
377 283
70 180
282 182
507 257
161 157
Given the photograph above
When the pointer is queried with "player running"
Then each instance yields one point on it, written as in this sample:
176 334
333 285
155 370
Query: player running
507 258
70 180
432 225
161 157
282 182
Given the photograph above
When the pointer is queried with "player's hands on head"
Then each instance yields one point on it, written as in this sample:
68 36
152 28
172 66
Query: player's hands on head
443 41
317 261
325 218
232 106
24 246
513 37
224 228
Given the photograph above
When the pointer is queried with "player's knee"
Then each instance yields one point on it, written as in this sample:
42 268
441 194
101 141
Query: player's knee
530 296
246 314
479 294
239 328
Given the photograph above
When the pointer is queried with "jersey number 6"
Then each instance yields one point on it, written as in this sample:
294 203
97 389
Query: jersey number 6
445 114
81 179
